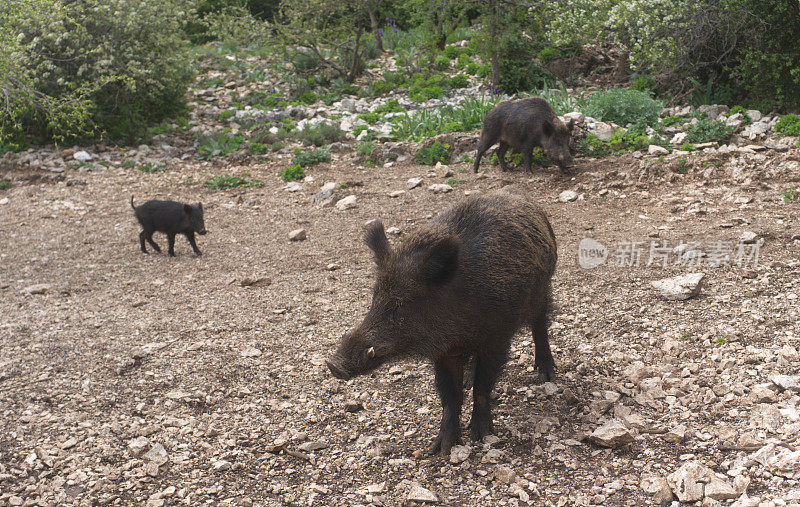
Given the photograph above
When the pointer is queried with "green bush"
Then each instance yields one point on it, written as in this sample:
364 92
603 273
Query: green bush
459 81
311 157
483 70
371 117
115 66
789 125
644 84
549 54
308 98
623 106
464 61
423 124
258 148
441 62
687 147
321 134
390 106
516 67
224 182
452 52
5 184
381 87
436 152
708 130
217 145
150 168
622 141
227 115
293 173
592 146
422 94
472 68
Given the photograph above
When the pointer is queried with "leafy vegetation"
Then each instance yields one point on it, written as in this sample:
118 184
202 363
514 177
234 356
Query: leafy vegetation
217 145
293 172
150 168
5 184
708 130
791 194
310 157
624 107
789 125
321 134
428 123
226 181
433 153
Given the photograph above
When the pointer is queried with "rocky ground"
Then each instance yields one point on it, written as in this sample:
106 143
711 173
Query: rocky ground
128 378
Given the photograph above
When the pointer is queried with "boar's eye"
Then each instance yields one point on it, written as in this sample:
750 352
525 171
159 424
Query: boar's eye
370 353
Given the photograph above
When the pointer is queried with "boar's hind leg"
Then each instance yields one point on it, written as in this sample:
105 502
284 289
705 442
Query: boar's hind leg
142 237
527 154
487 369
449 373
544 359
483 145
171 243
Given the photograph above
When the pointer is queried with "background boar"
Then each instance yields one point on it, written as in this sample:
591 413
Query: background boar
458 288
524 124
171 218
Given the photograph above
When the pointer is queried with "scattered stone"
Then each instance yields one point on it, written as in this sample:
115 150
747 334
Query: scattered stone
568 196
414 183
4 200
397 193
299 234
505 475
69 443
748 237
786 383
688 482
680 287
459 453
82 156
293 186
255 282
332 267
678 138
325 195
138 446
658 489
440 188
676 434
157 455
251 352
312 445
39 288
346 203
395 231
611 434
655 149
419 494
353 406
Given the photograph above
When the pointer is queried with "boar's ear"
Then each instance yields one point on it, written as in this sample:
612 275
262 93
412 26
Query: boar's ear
375 238
548 128
200 206
571 124
187 208
439 263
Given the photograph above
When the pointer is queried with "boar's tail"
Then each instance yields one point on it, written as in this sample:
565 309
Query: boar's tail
132 206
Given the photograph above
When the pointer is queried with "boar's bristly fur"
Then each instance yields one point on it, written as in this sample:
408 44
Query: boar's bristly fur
457 289
525 124
171 218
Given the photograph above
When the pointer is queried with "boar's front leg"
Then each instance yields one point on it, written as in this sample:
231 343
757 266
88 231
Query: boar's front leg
449 373
487 368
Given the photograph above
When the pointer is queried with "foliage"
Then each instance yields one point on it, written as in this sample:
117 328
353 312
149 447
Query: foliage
791 194
321 134
150 167
390 106
5 184
86 68
428 123
217 144
441 62
517 70
459 81
366 150
623 106
310 157
708 130
433 153
622 141
293 172
226 181
687 147
259 148
789 125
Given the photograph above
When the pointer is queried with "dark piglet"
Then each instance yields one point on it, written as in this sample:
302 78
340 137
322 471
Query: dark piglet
525 124
458 289
171 218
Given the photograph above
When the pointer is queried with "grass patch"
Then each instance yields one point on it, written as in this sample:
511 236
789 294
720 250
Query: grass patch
311 157
226 181
152 168
436 152
217 145
293 173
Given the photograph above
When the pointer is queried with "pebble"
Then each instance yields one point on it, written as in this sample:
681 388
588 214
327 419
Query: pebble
297 235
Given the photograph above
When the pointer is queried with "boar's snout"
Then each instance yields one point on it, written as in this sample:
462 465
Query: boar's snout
202 231
337 371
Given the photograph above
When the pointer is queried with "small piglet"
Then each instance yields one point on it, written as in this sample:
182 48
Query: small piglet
171 218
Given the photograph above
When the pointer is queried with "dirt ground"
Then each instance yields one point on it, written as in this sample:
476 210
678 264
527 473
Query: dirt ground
131 378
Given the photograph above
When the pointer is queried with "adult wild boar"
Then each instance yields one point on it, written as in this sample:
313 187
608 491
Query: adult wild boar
457 289
525 124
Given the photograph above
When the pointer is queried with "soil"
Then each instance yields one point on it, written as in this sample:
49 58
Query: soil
101 344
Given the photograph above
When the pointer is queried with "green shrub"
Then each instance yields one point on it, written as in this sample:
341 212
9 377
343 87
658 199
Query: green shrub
217 144
708 130
592 146
226 115
644 84
631 139
381 87
277 146
464 61
13 147
452 52
359 129
789 125
549 54
224 182
258 148
459 81
150 167
669 121
436 152
472 68
423 124
516 67
308 98
5 184
483 70
421 94
293 173
687 147
310 157
390 106
113 68
371 118
321 134
789 195
365 149
441 62
623 106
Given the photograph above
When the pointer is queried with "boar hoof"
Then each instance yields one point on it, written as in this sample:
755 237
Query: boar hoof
547 373
480 428
443 443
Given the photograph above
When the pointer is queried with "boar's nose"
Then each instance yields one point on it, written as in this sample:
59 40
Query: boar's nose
202 231
337 372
